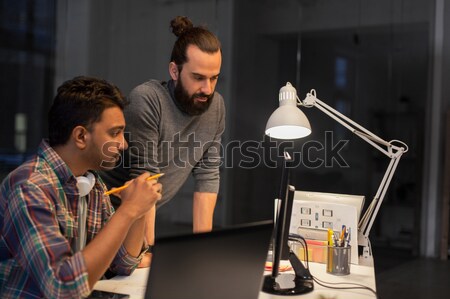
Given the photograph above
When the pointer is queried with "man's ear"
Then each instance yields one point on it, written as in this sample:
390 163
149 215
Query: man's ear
173 71
79 135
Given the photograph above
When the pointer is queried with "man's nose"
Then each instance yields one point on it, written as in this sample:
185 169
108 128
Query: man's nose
123 145
207 87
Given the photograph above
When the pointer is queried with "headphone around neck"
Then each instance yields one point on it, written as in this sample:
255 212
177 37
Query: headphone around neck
85 183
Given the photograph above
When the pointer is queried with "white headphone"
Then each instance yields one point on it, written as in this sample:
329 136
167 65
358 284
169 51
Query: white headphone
85 183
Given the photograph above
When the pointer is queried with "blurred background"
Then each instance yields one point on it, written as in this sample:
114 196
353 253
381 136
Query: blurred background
383 63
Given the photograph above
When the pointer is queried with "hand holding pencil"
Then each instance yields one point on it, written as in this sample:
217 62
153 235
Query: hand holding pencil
138 196
118 189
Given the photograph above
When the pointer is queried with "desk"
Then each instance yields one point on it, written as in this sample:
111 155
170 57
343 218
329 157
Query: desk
135 284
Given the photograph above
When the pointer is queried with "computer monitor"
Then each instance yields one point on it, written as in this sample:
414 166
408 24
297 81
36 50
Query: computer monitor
226 263
286 284
283 218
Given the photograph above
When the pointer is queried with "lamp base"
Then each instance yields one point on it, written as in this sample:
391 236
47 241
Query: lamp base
287 284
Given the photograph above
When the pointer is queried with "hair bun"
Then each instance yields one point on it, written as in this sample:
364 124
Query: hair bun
180 25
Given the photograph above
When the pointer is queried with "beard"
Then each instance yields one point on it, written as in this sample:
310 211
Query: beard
188 103
109 156
108 164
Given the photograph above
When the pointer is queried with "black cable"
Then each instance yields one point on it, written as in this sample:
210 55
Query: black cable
302 241
351 287
325 284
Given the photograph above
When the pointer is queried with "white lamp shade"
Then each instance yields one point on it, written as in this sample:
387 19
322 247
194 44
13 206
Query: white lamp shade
288 122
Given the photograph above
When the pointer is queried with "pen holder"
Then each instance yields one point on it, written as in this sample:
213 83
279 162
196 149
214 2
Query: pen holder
338 260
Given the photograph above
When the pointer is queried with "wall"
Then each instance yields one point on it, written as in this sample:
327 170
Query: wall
129 42
386 45
264 46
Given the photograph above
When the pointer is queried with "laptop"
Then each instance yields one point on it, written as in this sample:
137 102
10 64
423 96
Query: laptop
225 263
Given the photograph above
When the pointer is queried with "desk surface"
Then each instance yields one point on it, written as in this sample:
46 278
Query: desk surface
135 284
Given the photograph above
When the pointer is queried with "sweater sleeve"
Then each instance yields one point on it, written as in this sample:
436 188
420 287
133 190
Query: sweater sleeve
207 171
143 119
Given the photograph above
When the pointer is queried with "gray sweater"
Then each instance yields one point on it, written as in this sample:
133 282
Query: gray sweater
162 138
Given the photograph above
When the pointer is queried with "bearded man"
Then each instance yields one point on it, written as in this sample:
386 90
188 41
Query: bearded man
175 127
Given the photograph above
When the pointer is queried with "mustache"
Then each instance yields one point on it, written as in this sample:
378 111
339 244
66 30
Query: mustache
202 95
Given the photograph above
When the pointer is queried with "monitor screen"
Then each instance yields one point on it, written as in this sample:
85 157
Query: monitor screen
283 216
286 283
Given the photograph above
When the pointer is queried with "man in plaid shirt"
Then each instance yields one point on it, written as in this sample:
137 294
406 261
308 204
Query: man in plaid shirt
56 238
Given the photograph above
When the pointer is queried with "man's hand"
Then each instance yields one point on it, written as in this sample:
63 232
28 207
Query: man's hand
146 260
140 196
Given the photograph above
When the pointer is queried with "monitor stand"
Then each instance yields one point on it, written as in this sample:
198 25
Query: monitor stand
290 284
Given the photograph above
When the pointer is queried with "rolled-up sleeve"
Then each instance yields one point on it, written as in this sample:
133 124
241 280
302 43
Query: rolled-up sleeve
124 263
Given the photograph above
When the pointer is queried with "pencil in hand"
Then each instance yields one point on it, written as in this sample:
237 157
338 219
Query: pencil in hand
115 190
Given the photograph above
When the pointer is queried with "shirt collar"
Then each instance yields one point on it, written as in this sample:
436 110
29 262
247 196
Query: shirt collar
62 171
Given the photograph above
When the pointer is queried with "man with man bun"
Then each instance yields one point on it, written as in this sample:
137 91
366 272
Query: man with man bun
175 127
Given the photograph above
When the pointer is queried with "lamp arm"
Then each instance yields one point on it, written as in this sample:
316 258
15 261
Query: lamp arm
312 101
394 152
366 222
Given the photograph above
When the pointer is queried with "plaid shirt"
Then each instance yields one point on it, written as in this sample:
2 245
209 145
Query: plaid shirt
38 226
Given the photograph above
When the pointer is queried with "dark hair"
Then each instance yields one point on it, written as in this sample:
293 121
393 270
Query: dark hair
80 102
188 34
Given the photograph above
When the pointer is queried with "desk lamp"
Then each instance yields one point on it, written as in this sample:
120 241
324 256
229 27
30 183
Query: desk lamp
288 122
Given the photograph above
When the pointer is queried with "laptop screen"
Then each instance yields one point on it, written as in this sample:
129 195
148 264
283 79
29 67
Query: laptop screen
225 263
